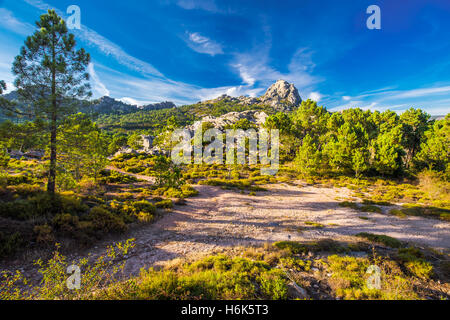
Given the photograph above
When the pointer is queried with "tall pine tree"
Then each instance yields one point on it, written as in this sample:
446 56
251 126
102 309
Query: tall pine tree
50 75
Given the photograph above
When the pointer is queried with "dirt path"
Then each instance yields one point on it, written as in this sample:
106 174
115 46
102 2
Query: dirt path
138 176
219 219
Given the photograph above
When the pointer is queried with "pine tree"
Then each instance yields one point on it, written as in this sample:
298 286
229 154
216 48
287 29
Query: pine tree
435 149
308 158
50 75
84 148
415 123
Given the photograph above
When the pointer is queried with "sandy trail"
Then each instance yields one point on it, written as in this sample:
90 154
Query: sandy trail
219 219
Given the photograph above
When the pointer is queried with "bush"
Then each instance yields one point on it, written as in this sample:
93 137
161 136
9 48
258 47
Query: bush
116 177
349 279
397 213
348 204
144 210
412 259
44 234
386 240
214 277
166 204
371 208
41 205
9 243
66 224
105 221
188 191
14 180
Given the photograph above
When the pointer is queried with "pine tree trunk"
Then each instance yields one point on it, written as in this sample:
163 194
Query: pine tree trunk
51 185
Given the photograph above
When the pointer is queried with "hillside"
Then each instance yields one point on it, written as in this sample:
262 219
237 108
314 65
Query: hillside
281 96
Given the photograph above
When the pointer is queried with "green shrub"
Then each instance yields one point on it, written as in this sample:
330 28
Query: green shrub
378 203
214 277
44 234
371 208
188 191
383 239
397 213
66 223
166 204
41 205
116 177
105 221
9 243
14 180
292 246
349 280
348 204
314 224
144 210
413 260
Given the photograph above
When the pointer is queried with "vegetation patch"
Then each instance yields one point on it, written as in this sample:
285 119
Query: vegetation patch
383 239
371 208
348 204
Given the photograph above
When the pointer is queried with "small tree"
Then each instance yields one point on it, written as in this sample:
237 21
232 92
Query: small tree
84 148
4 157
435 149
308 158
360 161
167 173
135 141
388 151
50 75
415 123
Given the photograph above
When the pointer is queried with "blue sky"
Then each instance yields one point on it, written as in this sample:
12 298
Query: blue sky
186 50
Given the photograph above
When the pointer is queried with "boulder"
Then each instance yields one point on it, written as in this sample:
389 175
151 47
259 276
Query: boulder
147 142
254 116
282 95
125 150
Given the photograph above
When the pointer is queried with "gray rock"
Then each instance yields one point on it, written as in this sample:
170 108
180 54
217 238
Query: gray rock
281 95
256 117
147 142
125 150
297 292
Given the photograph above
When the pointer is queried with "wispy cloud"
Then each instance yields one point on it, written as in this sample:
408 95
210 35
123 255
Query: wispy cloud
10 22
435 99
315 96
132 101
422 92
202 44
108 48
254 67
207 5
98 86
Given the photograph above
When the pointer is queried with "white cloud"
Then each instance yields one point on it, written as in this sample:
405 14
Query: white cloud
315 96
132 101
233 91
422 92
207 5
254 67
10 22
106 46
99 88
202 44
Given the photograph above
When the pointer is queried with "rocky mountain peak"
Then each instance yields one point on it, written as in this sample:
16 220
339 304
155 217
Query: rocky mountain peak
281 95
